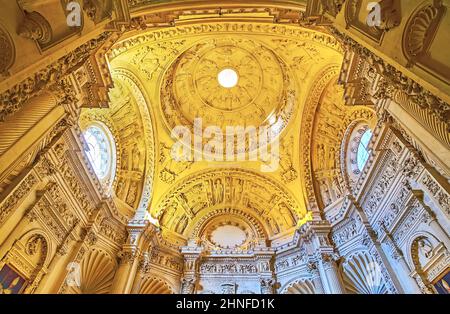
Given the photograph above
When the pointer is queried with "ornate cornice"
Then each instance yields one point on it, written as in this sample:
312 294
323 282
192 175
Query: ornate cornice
396 85
12 99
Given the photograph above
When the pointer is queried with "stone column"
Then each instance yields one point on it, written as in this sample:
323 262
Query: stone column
189 278
315 233
315 274
126 273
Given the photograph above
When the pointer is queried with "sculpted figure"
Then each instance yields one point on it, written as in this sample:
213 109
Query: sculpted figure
136 157
218 191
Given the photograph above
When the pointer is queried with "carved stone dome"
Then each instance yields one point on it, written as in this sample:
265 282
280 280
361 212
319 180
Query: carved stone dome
261 91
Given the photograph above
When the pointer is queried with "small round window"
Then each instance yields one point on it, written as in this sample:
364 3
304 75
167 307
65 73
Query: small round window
98 150
362 154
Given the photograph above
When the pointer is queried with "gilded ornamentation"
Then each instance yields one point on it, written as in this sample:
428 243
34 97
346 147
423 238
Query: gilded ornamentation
12 99
14 198
36 27
171 169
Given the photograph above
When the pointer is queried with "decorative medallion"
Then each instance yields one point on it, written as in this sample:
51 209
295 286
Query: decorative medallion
230 81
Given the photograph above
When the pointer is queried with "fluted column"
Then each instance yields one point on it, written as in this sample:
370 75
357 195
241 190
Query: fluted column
315 234
315 274
126 273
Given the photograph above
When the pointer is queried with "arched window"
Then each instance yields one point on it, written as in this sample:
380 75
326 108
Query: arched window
100 150
362 154
355 149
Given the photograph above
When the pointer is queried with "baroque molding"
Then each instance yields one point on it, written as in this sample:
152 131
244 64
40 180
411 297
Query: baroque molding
397 86
12 99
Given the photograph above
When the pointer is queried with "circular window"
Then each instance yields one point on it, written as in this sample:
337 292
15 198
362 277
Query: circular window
98 150
362 154
227 78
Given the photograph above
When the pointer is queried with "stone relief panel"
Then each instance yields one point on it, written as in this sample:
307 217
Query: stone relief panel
202 193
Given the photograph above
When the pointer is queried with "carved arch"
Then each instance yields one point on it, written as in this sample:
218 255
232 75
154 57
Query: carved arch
326 117
30 255
147 115
210 190
412 254
309 111
199 227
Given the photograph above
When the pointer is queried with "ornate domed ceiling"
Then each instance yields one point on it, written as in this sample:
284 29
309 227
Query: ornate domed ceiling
229 74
